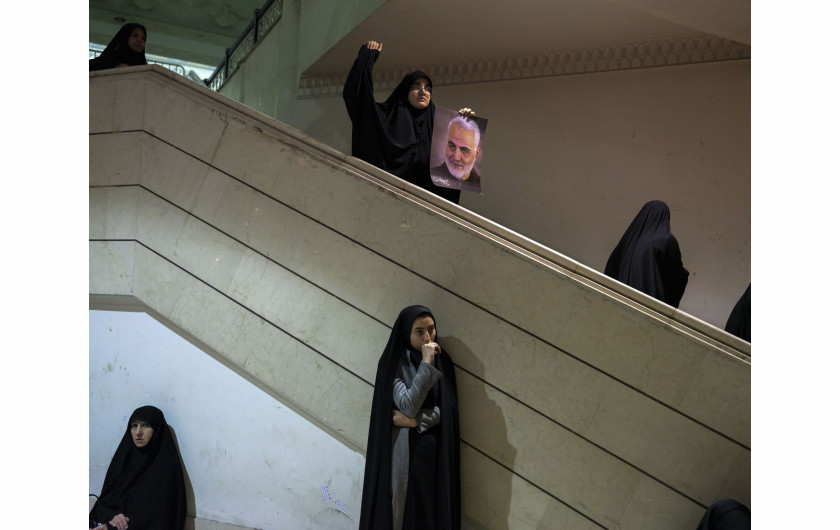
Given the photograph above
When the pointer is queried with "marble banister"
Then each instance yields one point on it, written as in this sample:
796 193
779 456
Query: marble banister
583 403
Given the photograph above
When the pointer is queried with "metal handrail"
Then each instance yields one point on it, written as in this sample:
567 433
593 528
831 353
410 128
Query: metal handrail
227 66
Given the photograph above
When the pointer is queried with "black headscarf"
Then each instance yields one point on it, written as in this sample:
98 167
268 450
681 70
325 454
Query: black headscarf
376 492
144 484
118 51
393 135
648 257
726 514
739 320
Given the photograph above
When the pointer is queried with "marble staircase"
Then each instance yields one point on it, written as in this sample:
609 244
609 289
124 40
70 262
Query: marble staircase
584 404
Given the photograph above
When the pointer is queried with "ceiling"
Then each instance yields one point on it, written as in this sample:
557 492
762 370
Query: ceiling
433 31
444 31
197 31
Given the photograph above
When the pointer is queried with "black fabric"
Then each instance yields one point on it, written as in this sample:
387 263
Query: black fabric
648 257
118 52
393 135
433 498
739 320
144 484
726 514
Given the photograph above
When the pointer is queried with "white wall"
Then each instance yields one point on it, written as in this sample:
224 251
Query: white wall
249 460
570 160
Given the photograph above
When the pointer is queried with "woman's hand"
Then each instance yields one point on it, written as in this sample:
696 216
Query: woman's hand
373 45
465 112
401 420
428 352
120 521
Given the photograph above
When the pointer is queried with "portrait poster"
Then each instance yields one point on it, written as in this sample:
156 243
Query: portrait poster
457 152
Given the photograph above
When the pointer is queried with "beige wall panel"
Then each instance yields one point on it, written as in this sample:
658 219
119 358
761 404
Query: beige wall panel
157 283
101 97
655 507
112 213
720 395
244 150
169 108
111 265
685 455
297 292
494 498
115 159
171 173
555 459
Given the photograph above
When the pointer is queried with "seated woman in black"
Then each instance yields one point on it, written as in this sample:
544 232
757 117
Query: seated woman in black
144 485
127 48
395 135
648 257
412 465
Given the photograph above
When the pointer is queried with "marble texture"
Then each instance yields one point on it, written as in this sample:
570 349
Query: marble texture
111 266
670 447
568 467
469 266
291 271
269 356
655 507
101 96
495 499
242 152
112 213
108 170
170 173
720 391
312 315
157 283
169 106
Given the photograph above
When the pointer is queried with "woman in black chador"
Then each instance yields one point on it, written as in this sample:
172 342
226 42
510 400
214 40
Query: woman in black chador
127 48
648 258
395 135
412 467
738 322
144 485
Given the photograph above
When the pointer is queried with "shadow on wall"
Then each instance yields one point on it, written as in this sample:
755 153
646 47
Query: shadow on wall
188 488
486 492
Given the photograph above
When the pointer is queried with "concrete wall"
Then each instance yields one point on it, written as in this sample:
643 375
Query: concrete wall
248 459
267 79
570 160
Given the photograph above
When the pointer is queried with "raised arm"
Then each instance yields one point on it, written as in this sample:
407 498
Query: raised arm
358 88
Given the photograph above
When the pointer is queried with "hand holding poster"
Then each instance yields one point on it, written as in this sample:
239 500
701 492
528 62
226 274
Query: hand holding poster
456 150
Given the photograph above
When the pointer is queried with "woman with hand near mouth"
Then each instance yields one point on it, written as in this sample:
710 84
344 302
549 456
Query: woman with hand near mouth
144 485
395 135
413 460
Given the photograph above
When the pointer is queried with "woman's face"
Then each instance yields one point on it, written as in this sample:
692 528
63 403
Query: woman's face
422 332
141 433
420 93
137 40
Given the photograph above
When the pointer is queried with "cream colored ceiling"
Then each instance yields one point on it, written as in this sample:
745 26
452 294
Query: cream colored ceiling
443 31
422 32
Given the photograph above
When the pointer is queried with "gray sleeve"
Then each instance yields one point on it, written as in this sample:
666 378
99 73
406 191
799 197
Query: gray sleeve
409 399
427 418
